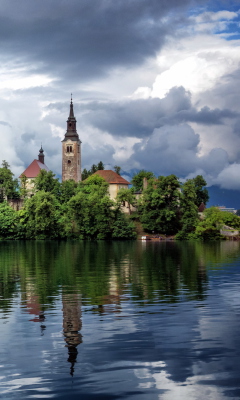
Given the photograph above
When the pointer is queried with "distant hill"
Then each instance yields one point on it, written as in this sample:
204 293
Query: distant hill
223 197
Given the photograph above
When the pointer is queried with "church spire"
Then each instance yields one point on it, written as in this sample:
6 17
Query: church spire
41 155
71 113
71 124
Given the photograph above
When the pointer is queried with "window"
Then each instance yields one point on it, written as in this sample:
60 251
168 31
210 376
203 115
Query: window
69 161
69 149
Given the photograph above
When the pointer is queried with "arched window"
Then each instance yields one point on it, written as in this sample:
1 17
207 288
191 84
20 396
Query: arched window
69 161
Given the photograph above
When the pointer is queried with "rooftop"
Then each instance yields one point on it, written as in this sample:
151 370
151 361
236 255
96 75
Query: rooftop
34 168
111 176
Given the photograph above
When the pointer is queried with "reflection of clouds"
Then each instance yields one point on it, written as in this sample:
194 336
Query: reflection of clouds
16 384
190 389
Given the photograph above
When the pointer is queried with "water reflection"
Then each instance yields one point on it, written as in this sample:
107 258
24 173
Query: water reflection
72 324
158 319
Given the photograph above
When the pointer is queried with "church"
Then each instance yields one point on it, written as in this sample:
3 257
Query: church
71 161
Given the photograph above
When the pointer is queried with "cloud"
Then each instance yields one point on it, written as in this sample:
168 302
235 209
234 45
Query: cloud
86 39
155 84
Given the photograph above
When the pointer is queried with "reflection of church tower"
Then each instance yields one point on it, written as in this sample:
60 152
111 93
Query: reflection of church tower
71 150
72 324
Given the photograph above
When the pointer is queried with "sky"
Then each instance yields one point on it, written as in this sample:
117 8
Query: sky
155 84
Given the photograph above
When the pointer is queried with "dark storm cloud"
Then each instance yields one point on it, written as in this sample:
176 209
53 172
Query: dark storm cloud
138 118
82 39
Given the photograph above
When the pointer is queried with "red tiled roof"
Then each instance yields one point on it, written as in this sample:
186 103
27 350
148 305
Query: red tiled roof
111 176
34 168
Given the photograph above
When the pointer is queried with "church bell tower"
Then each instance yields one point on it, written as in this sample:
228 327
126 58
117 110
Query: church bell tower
71 150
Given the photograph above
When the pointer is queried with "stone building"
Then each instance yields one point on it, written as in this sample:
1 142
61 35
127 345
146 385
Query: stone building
71 150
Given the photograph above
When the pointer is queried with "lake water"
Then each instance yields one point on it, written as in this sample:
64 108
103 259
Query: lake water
135 320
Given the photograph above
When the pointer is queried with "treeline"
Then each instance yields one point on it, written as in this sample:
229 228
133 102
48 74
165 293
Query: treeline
168 207
61 210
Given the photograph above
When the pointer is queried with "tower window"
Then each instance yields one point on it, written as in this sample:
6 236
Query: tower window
69 149
69 161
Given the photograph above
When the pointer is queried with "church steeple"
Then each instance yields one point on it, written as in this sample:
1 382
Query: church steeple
71 150
41 155
71 125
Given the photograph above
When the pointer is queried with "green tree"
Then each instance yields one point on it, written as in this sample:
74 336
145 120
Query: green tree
9 187
67 190
159 206
188 210
117 169
126 196
85 174
122 228
202 195
137 180
46 181
209 227
23 187
100 165
8 222
94 168
93 215
40 217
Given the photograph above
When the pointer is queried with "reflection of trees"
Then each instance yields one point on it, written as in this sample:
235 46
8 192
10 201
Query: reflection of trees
101 271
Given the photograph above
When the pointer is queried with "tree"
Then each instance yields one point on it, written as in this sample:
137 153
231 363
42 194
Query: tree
201 192
85 174
8 185
8 222
23 187
40 217
46 181
68 189
209 227
100 166
126 195
137 180
122 228
94 168
188 210
117 169
159 207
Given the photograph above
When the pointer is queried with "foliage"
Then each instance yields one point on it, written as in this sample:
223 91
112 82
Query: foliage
209 227
126 195
8 221
46 181
8 185
68 189
23 187
159 207
40 218
188 209
123 228
94 168
137 180
93 215
231 219
117 169
202 195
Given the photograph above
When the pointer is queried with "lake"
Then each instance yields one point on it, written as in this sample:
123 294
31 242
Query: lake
120 320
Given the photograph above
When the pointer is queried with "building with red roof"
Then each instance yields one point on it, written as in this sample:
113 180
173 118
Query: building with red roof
115 181
32 171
